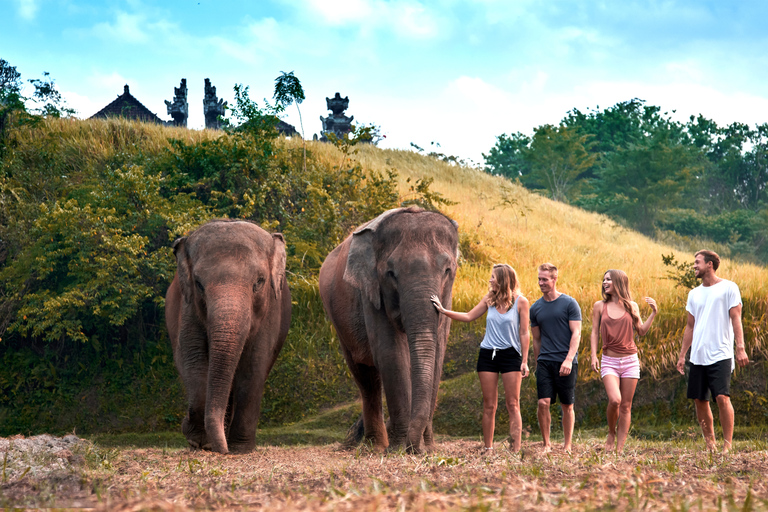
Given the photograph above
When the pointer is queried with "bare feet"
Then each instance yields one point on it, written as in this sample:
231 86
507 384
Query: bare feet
610 442
547 448
726 448
568 448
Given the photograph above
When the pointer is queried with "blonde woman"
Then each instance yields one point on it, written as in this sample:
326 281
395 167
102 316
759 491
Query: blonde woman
615 319
504 349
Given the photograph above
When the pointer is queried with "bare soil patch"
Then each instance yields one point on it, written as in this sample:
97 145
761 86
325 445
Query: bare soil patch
660 475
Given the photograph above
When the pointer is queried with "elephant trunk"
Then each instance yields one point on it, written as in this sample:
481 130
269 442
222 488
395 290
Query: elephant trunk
421 331
228 326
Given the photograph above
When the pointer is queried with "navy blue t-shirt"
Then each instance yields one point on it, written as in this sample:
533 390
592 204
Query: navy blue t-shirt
552 320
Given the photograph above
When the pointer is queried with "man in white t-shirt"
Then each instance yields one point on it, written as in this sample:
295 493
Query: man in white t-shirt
714 321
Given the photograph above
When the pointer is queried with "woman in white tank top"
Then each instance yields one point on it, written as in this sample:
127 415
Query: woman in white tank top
504 349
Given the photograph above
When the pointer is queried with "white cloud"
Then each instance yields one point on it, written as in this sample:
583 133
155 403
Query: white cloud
127 28
27 9
407 18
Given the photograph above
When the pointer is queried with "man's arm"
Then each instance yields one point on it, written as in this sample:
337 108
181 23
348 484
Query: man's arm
738 336
536 342
687 340
573 348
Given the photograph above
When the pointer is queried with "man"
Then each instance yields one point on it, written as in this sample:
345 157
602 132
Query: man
556 332
714 321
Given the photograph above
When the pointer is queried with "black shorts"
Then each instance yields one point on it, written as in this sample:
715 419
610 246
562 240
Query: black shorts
506 360
709 380
550 384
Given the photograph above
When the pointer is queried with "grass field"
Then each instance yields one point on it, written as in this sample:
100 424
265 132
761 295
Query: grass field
152 472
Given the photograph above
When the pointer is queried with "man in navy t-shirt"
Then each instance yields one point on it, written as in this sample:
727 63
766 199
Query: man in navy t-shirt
556 332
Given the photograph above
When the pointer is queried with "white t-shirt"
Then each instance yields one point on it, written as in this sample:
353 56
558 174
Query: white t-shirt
713 331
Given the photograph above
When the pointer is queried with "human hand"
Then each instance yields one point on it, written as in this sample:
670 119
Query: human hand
565 368
741 357
653 304
681 365
524 370
436 301
595 364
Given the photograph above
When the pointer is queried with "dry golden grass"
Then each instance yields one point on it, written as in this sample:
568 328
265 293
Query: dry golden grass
675 475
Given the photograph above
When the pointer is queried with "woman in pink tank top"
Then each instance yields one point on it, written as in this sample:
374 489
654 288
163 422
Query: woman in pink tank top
615 319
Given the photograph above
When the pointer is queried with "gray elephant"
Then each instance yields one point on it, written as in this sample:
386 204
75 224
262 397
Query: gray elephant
227 311
376 288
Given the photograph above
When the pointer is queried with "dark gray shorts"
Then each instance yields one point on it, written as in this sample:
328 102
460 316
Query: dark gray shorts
711 380
550 384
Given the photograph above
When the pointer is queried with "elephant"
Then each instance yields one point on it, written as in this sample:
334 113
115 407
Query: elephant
376 287
227 311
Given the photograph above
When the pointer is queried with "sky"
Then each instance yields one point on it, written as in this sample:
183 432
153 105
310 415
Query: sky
453 73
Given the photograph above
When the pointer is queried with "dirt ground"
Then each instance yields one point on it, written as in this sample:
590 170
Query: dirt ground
660 475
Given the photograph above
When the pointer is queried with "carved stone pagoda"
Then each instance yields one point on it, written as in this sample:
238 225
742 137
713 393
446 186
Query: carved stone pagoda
179 109
336 123
213 108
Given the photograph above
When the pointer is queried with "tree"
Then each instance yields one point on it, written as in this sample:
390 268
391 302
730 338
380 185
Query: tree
509 156
288 90
638 182
559 156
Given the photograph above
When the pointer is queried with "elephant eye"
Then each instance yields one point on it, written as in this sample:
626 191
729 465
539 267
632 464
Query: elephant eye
391 275
258 284
448 271
199 286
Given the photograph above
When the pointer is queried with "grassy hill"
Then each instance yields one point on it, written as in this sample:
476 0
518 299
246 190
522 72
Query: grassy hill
502 222
132 385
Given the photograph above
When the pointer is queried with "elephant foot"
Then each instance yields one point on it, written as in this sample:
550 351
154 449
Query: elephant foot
241 448
195 434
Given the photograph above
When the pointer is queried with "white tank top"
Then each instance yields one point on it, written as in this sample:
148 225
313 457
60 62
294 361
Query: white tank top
502 331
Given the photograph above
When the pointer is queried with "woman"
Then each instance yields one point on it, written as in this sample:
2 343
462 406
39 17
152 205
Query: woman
504 349
613 321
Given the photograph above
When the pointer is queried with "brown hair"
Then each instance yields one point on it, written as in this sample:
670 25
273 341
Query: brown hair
509 287
548 267
621 285
710 257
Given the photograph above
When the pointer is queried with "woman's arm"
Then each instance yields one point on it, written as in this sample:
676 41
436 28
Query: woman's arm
523 308
474 314
643 329
594 338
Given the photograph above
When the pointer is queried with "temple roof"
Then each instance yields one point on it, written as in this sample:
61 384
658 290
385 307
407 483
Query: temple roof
128 107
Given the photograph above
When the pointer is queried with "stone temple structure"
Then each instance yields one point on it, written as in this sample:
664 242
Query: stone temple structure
213 108
179 109
336 123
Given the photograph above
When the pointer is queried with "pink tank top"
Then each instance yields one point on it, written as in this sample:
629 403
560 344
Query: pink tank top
617 333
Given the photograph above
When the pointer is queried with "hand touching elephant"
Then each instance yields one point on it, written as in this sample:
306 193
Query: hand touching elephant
227 312
376 288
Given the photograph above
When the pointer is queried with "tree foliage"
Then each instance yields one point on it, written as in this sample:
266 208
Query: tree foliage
634 163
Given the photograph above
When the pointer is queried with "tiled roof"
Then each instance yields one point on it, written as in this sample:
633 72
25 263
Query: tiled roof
128 107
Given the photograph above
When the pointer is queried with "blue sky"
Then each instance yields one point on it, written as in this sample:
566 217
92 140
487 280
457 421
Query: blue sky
455 72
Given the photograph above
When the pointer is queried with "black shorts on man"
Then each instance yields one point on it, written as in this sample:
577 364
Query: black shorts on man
711 380
550 384
503 361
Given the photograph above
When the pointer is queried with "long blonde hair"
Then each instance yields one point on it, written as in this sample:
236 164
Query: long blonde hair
509 287
621 285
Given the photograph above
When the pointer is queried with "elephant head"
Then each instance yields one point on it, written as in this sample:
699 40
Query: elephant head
394 264
229 313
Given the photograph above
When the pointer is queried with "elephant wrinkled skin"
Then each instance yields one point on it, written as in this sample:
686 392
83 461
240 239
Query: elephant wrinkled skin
227 311
376 288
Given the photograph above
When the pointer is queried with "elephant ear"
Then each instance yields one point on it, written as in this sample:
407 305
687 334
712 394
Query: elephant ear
278 263
182 267
360 271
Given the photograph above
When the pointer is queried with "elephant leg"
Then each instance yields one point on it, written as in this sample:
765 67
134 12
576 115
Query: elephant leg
369 381
194 372
247 393
397 388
